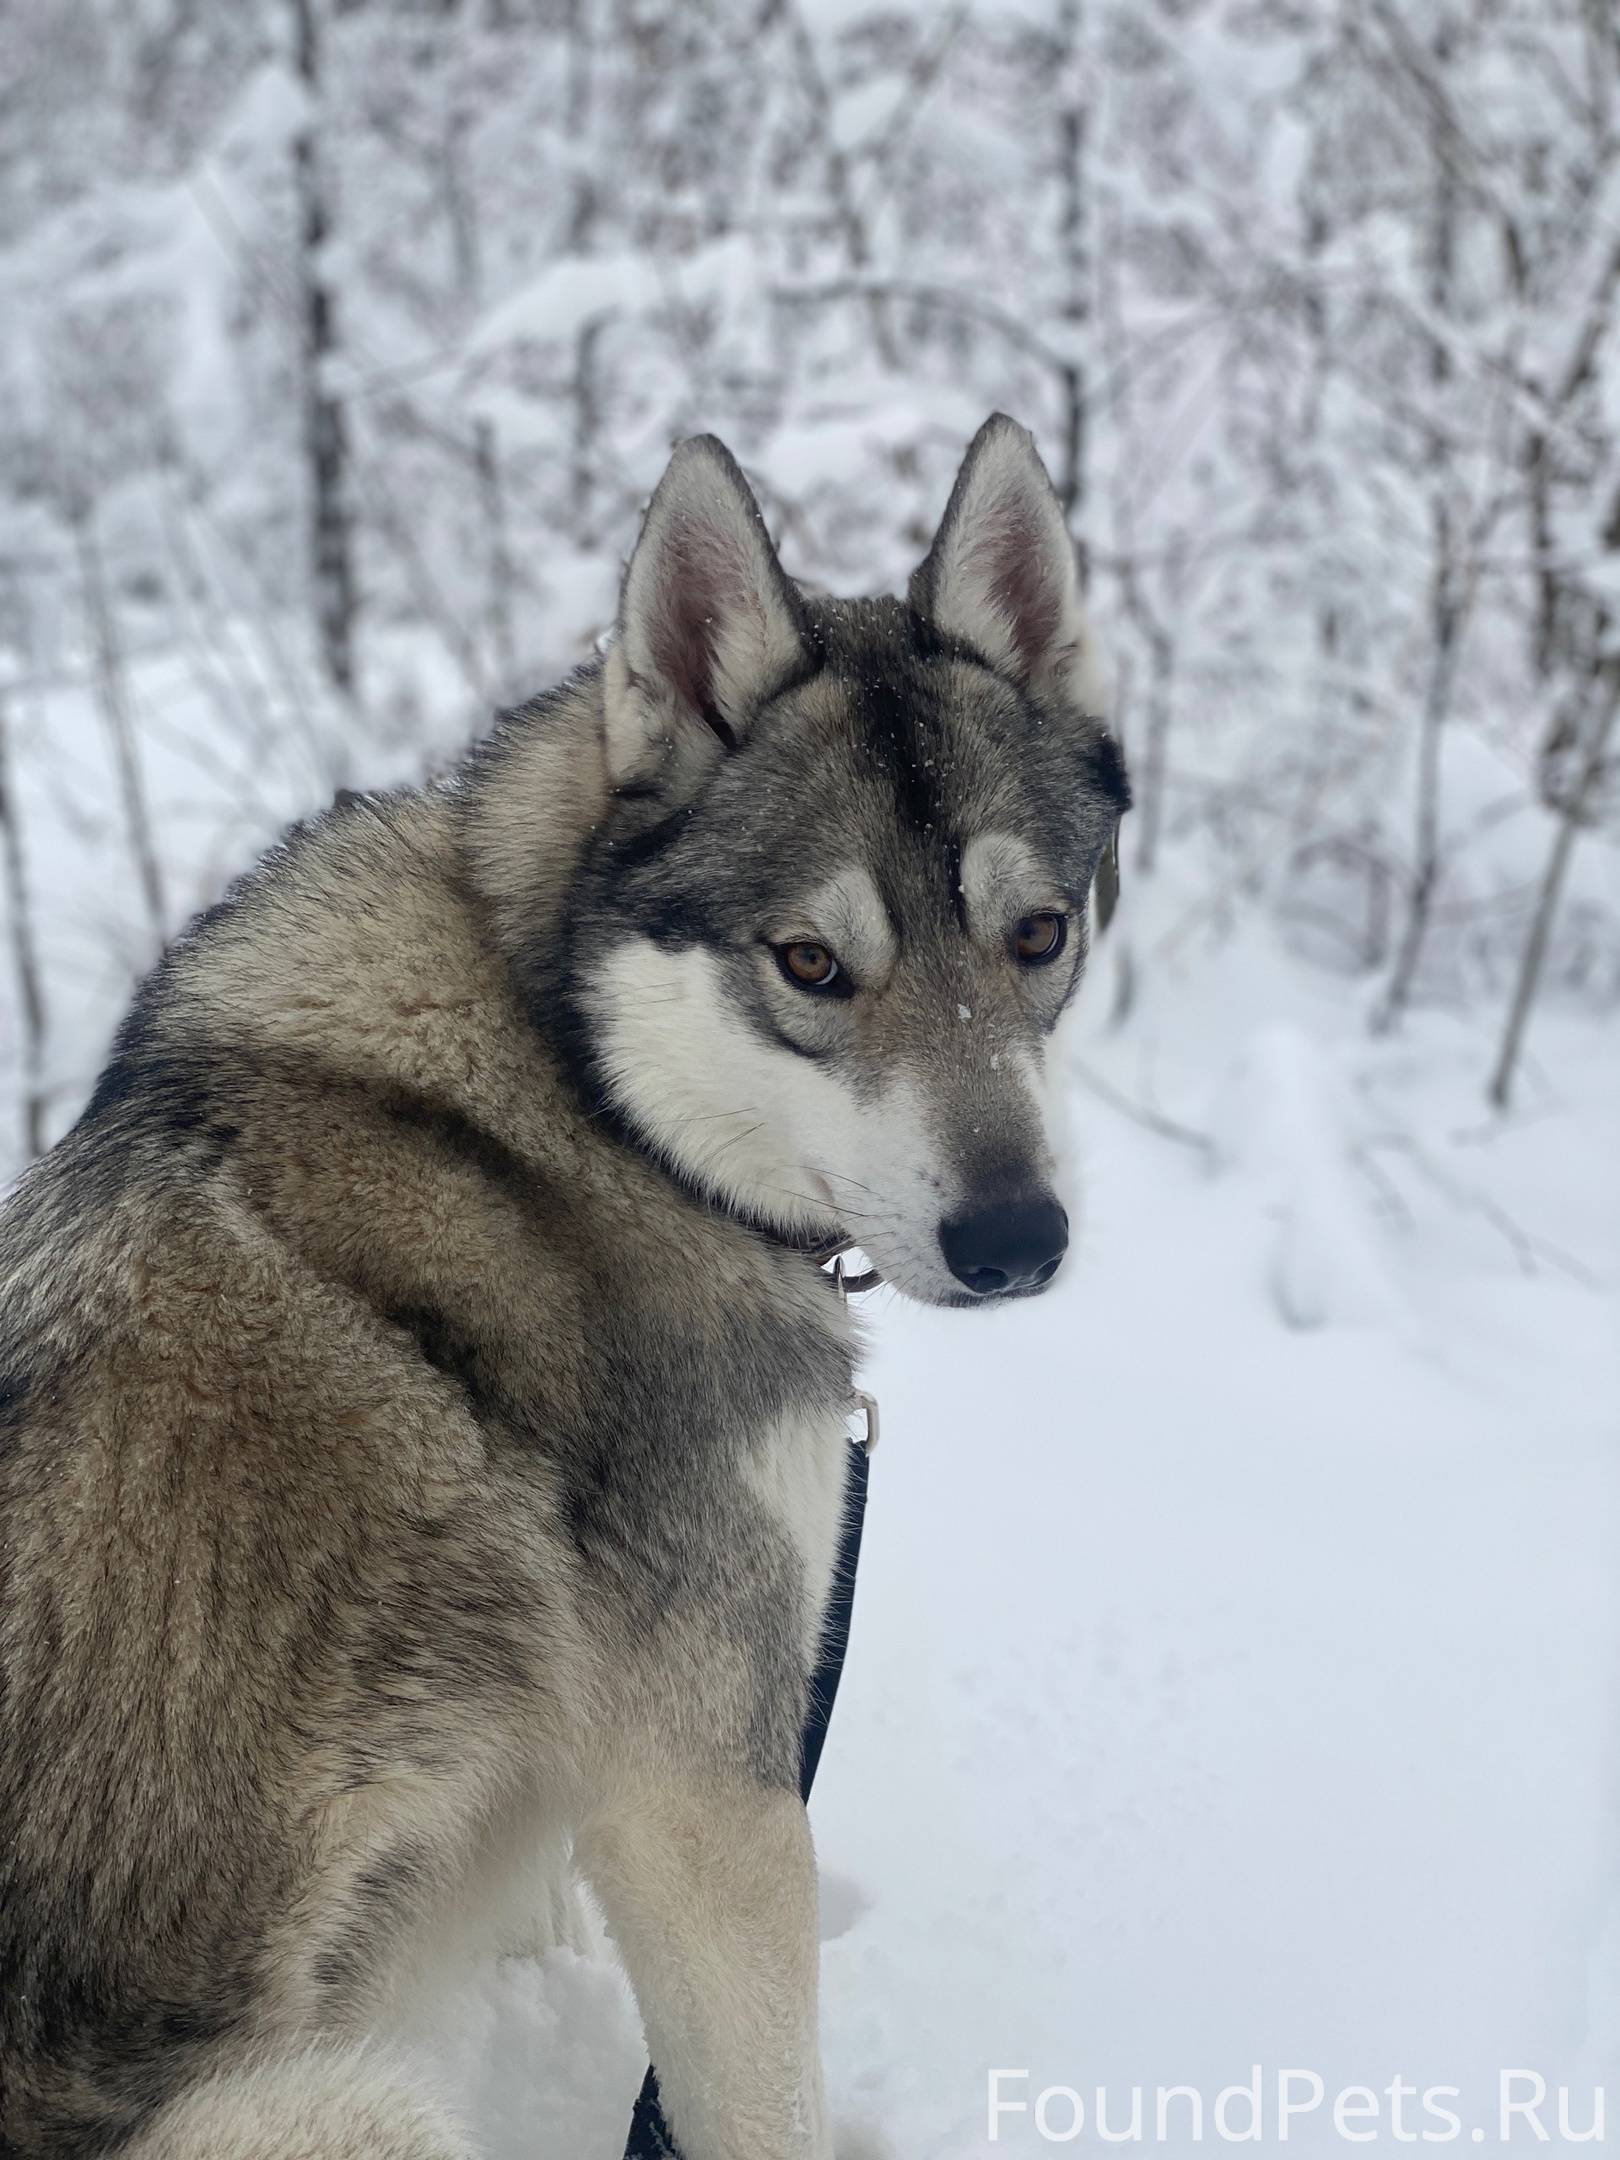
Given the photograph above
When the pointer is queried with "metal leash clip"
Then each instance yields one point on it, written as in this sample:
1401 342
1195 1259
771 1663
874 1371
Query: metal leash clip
852 1285
867 1406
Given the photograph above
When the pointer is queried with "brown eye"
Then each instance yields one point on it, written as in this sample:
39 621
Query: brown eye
809 965
1040 938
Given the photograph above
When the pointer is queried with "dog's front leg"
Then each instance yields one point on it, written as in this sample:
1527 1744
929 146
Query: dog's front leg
710 1891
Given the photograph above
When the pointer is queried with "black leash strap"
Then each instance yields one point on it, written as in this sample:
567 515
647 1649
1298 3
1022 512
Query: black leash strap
649 2134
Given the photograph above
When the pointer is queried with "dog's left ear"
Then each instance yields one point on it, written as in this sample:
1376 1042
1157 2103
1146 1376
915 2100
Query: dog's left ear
708 622
1001 574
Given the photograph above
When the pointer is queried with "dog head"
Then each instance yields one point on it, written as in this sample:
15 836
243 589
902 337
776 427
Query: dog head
822 936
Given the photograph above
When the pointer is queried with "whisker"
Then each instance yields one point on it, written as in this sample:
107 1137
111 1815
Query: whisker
810 1200
737 1139
842 1177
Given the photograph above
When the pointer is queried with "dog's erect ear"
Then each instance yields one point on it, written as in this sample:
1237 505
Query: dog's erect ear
708 622
1001 574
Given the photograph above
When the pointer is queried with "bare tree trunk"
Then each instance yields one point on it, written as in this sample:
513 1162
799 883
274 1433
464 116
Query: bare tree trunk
1426 851
576 123
1552 885
461 212
1075 313
1544 635
24 953
585 395
325 432
111 693
1155 737
1075 308
1317 749
467 272
1445 611
1151 773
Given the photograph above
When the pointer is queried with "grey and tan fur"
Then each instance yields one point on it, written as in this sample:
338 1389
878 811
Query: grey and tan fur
422 1423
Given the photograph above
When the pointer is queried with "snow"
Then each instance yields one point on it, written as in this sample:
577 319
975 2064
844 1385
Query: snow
1234 1664
572 292
1235 1649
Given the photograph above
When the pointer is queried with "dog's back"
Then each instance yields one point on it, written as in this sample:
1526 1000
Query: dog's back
245 1521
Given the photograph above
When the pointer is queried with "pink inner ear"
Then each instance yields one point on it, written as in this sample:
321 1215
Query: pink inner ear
696 581
702 580
1013 554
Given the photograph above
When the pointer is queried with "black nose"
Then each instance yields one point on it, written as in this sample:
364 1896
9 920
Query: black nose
1016 1246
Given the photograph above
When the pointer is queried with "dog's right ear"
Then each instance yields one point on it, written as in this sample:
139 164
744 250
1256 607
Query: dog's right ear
708 623
1001 575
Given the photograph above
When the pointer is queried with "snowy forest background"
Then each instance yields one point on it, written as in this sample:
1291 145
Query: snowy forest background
345 338
1238 1641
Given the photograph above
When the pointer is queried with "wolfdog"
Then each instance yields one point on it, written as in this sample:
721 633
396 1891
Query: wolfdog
423 1404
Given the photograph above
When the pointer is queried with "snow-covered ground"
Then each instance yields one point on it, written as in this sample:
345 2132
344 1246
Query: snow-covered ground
1235 1660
